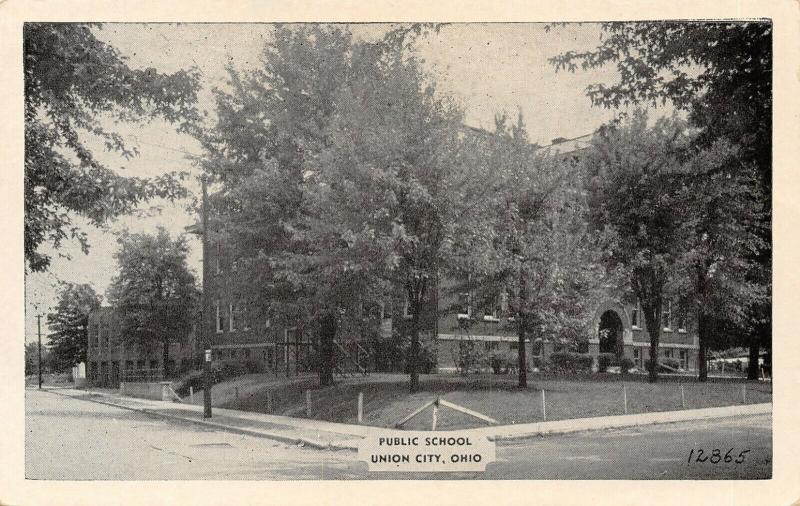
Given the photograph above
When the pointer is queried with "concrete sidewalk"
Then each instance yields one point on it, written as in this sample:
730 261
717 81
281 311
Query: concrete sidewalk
329 435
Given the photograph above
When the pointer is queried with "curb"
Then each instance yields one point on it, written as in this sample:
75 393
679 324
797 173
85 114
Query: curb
299 441
635 420
521 431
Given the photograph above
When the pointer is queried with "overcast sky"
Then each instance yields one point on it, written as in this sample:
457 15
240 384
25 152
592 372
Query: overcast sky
487 67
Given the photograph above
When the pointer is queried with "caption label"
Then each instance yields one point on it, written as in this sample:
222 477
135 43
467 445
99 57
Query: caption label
426 452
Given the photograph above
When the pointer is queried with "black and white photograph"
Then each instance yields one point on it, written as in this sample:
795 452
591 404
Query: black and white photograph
398 250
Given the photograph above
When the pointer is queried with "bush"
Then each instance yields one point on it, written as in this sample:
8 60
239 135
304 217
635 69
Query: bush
502 361
468 356
626 364
254 366
605 360
571 362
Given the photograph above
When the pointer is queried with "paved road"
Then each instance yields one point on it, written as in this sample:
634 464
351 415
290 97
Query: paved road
80 440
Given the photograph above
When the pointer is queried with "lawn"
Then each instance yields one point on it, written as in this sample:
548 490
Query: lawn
387 401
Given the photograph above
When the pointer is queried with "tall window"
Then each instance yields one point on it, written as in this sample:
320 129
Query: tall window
232 317
492 310
463 305
636 315
220 320
218 256
681 321
666 316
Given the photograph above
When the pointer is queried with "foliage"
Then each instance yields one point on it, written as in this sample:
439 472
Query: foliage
32 359
502 361
523 236
632 175
721 73
604 360
69 324
468 356
567 361
76 85
154 290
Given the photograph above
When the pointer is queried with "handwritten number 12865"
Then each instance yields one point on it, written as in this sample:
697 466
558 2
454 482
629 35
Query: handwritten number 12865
716 456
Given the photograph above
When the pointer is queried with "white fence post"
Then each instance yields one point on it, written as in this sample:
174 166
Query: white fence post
625 398
683 399
544 407
191 394
434 415
308 403
360 407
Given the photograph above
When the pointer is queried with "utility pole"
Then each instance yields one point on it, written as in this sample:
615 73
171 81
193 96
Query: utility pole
39 332
204 312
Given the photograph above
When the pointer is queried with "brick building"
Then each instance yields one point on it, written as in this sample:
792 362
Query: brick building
288 350
110 360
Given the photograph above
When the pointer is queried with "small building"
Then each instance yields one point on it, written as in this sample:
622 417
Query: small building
110 360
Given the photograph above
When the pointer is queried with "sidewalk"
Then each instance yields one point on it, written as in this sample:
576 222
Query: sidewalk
328 435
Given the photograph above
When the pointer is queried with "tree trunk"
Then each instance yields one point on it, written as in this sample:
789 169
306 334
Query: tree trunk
521 352
413 356
652 319
327 336
702 340
165 357
752 366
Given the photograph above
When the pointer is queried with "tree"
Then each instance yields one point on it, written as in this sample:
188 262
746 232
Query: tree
387 178
69 324
721 73
631 178
75 86
721 237
272 123
154 291
523 232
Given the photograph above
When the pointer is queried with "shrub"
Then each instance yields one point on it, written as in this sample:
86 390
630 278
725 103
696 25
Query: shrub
605 360
468 356
254 366
626 364
571 362
502 361
538 363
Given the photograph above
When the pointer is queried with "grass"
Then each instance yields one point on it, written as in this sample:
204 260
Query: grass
386 398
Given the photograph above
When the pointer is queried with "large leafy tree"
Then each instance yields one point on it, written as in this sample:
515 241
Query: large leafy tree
271 124
721 236
154 291
720 72
69 324
631 177
523 236
76 87
389 173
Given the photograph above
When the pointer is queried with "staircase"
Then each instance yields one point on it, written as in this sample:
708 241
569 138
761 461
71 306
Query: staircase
350 358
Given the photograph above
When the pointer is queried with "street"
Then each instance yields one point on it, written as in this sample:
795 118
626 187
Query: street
70 439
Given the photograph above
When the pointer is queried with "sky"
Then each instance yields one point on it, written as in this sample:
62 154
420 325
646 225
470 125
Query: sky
487 68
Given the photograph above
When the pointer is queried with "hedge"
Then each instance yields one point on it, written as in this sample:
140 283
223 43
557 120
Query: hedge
571 362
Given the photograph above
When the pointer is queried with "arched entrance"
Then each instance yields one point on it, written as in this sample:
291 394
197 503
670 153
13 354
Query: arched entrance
610 333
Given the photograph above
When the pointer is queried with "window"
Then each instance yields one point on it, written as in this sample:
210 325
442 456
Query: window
637 357
490 314
220 320
490 345
666 316
684 358
668 353
386 310
407 309
514 345
232 317
463 305
682 322
247 353
635 316
218 257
